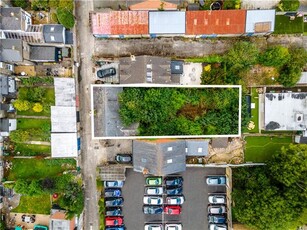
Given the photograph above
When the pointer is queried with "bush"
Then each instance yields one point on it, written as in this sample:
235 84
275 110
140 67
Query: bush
19 135
21 105
65 17
31 81
39 5
21 3
37 107
275 56
288 5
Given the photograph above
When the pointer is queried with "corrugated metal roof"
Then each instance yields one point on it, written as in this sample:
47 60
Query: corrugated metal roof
215 22
167 22
256 17
153 5
120 22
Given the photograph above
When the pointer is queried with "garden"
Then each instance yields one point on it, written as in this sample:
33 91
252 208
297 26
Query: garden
284 25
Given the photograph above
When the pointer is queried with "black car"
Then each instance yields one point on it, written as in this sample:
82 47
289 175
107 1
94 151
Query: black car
152 209
114 211
114 201
174 181
112 192
106 72
123 158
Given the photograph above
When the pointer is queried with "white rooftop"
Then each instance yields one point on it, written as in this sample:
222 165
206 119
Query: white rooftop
63 119
258 17
166 22
303 79
285 111
65 91
64 145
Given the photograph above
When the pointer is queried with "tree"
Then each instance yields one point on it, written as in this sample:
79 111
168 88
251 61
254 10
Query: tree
19 135
289 5
275 56
22 105
48 184
21 3
289 75
36 94
65 17
39 5
37 107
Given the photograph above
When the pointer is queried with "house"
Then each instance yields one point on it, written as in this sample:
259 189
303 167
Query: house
64 145
54 33
197 147
58 221
7 87
14 19
15 51
119 23
215 23
45 54
260 22
153 5
149 69
7 125
285 111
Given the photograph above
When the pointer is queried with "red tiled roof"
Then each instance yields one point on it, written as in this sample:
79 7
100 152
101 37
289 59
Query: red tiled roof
120 22
153 5
215 22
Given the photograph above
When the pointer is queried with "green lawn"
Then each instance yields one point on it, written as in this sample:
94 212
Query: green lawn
209 59
35 204
32 150
254 112
261 149
283 25
28 123
39 168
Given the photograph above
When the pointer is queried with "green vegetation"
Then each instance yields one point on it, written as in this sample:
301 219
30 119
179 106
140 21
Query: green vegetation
175 111
101 213
254 112
65 17
37 81
288 5
209 59
28 123
31 150
38 168
21 3
275 56
283 25
38 134
271 197
34 204
227 5
262 149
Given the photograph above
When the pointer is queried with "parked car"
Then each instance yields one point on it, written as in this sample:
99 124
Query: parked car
217 227
153 190
174 181
217 199
216 219
216 180
175 200
153 200
154 180
174 191
173 227
115 184
172 209
123 158
114 221
114 211
221 209
114 201
153 227
152 209
112 192
102 73
115 228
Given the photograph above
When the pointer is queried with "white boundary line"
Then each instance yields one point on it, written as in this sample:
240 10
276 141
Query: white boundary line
167 86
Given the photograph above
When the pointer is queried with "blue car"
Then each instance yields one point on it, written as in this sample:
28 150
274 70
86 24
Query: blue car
114 211
216 180
216 219
114 201
116 228
174 191
112 192
113 184
173 181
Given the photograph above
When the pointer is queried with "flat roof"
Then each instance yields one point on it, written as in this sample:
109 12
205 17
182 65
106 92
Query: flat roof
64 145
119 23
285 111
63 119
166 22
65 91
260 20
215 22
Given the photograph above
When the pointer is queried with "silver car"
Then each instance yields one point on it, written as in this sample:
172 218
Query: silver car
217 227
173 227
153 200
175 200
153 227
154 190
217 209
217 199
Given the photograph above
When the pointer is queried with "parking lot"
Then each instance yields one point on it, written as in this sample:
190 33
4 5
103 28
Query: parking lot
194 209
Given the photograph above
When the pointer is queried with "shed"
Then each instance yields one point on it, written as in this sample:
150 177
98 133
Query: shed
177 67
219 143
260 21
63 119
197 147
64 145
160 157
166 22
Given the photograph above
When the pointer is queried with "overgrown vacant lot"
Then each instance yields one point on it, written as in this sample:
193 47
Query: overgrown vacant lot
181 111
261 149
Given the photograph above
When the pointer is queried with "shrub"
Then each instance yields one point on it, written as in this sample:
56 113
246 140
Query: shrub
288 5
65 17
20 3
275 56
39 5
19 135
22 105
37 107
35 94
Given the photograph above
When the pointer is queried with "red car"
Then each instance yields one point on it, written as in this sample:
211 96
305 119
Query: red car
114 221
172 210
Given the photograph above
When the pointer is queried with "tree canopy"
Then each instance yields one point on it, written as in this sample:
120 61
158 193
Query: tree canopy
175 111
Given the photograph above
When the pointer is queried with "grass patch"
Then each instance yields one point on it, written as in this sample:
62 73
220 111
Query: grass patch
261 149
25 123
208 59
101 214
283 25
39 168
34 204
32 150
255 111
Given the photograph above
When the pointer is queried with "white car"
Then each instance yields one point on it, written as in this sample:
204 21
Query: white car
154 190
153 200
217 227
217 199
175 200
153 227
217 209
173 227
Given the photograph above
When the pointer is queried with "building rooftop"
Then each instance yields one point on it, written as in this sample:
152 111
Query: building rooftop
54 33
153 5
285 111
64 145
197 147
65 91
219 143
14 18
260 21
58 221
207 22
11 50
167 22
119 23
44 53
63 119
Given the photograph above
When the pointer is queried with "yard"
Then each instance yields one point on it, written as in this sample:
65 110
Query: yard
283 25
28 123
38 168
261 149
31 150
254 113
34 204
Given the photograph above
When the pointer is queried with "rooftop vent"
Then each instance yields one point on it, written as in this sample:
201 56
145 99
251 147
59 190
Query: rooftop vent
299 117
132 58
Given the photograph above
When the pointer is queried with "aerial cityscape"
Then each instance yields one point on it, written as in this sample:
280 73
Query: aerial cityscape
153 114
